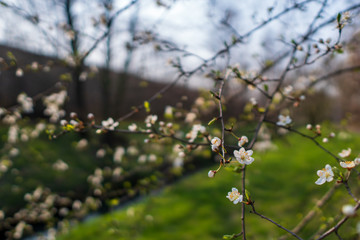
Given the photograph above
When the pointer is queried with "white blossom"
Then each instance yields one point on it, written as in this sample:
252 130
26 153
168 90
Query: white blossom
151 120
190 117
82 144
235 196
118 155
243 156
345 153
283 120
348 210
53 104
325 175
211 174
132 127
60 165
243 140
215 144
19 72
100 153
195 130
109 124
25 102
348 165
288 90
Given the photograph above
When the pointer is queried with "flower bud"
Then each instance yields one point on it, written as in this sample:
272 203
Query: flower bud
211 173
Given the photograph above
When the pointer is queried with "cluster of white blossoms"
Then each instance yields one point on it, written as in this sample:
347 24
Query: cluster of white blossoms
151 120
235 196
192 135
242 156
327 175
13 134
283 120
119 154
109 124
53 104
25 102
345 153
215 144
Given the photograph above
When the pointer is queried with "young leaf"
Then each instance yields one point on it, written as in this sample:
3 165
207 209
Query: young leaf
266 87
147 106
338 17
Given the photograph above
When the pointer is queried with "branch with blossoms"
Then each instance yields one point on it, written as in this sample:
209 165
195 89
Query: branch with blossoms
200 136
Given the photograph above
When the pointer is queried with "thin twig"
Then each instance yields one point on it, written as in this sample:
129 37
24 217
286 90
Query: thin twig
273 222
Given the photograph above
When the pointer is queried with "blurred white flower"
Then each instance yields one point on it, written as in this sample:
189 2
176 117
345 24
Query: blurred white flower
194 132
243 140
288 90
100 153
82 144
190 117
53 104
132 127
211 174
14 152
109 124
19 72
60 165
25 102
118 155
283 120
152 158
142 158
151 120
345 153
348 210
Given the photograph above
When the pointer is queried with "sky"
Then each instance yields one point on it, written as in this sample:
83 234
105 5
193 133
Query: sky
192 25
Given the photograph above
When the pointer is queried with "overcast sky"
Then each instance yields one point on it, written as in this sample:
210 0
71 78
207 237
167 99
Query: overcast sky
191 24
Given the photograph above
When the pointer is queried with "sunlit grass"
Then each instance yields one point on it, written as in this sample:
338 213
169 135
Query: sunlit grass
281 182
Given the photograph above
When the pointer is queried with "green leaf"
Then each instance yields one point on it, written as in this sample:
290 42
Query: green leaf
229 236
266 87
147 106
338 17
11 56
233 39
269 63
66 77
247 195
212 121
261 109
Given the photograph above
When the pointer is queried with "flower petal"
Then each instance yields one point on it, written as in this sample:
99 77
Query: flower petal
320 181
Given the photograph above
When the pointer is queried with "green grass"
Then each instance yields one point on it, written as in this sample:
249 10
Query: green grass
281 182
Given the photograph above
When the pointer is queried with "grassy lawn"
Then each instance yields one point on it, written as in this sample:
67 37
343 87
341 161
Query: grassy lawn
280 181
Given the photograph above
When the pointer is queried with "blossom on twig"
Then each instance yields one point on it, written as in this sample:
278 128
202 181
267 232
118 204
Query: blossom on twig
243 156
284 120
235 196
325 175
